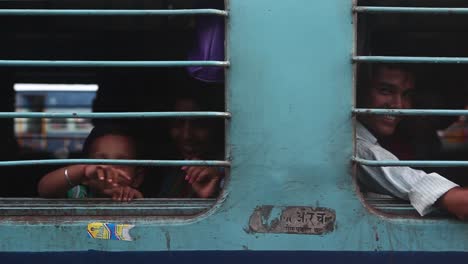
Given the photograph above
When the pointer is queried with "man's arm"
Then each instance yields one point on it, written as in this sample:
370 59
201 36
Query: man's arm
418 187
455 201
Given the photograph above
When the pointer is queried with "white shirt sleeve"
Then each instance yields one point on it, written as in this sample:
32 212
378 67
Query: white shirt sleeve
420 188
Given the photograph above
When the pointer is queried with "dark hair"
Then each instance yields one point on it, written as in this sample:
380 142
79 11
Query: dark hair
109 129
367 72
207 97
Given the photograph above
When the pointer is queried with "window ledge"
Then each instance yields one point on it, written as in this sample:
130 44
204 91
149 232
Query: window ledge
103 207
396 207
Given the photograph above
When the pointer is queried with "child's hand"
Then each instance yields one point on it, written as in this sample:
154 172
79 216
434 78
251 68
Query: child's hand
204 180
123 194
102 177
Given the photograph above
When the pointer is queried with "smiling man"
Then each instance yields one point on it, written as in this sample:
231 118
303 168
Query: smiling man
391 87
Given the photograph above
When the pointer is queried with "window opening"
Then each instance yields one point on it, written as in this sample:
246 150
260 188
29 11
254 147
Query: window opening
58 137
134 63
417 40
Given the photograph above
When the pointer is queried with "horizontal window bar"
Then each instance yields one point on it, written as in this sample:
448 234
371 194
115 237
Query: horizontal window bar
114 12
100 207
212 163
410 112
61 121
72 63
410 10
399 59
388 205
396 208
51 137
399 207
116 115
385 200
411 163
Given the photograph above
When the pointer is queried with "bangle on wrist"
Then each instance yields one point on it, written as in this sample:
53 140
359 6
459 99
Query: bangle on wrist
68 178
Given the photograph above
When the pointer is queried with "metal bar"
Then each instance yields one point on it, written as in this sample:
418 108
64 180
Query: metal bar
134 212
410 10
411 163
73 63
40 137
101 207
388 205
113 12
410 112
107 207
47 121
130 210
409 59
396 209
116 115
379 201
91 202
212 163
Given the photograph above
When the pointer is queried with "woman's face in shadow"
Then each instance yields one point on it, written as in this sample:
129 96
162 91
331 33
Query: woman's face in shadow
192 137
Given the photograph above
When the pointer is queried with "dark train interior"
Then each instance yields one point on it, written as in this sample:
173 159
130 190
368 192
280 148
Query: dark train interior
151 38
438 86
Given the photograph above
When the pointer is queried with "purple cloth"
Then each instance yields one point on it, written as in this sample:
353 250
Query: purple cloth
209 45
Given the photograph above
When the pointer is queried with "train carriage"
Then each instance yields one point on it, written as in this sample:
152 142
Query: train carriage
290 76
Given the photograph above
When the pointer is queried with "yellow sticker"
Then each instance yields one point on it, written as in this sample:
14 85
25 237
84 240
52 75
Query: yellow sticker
110 231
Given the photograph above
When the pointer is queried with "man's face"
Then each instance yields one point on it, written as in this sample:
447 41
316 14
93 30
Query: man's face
390 88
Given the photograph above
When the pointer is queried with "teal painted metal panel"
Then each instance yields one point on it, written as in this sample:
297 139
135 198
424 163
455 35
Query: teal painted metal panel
290 95
289 58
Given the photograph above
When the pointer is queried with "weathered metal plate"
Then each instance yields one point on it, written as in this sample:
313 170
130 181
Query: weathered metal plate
292 220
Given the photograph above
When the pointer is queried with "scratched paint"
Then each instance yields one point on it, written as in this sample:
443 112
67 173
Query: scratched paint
292 220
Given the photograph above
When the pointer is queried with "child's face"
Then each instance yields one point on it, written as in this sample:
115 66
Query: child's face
116 147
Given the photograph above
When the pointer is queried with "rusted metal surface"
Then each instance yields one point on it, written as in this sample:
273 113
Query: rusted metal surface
292 220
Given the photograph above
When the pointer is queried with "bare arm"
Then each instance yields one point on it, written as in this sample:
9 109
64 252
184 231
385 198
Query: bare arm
100 177
56 185
455 201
